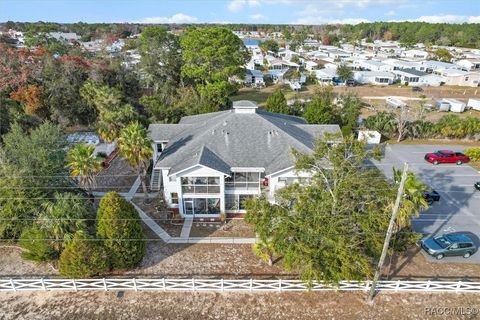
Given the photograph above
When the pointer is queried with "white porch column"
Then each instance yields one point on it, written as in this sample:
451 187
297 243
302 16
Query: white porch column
222 193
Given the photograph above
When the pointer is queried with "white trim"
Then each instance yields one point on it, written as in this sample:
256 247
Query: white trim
232 285
247 169
178 173
279 171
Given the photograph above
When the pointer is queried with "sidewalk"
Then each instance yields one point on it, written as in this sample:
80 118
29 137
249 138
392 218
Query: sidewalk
184 237
187 226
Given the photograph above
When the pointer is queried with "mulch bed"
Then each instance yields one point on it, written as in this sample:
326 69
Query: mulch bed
232 228
161 216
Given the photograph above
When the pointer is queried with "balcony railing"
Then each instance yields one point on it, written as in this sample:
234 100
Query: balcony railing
200 189
242 185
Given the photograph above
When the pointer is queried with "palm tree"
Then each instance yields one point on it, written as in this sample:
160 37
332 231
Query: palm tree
383 122
64 216
84 164
136 147
413 201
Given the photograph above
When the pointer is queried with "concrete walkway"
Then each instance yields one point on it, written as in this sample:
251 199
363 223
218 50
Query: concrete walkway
187 226
152 224
133 189
184 237
127 195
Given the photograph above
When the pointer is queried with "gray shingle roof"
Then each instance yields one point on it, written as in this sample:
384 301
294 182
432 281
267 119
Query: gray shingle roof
226 139
414 72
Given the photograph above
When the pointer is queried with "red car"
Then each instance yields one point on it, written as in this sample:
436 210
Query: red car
446 156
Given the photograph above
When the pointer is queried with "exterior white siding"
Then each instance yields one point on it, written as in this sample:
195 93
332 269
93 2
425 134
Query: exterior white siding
281 179
173 184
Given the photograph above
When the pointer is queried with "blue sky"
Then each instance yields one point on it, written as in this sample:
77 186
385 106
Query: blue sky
241 11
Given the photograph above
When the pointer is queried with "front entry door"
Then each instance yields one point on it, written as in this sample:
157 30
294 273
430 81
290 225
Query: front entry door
188 204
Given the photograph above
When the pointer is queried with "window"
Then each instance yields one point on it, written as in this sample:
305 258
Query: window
242 198
202 205
159 147
236 202
174 197
200 185
243 180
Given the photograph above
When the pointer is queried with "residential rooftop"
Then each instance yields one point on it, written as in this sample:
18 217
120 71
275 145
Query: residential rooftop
244 136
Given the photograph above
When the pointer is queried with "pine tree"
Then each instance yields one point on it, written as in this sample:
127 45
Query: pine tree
276 102
83 257
118 224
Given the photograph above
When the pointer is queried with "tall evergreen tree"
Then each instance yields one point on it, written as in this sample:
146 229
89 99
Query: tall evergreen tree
276 102
320 109
118 225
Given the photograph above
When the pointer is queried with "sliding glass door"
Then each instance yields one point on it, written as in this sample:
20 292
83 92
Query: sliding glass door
202 206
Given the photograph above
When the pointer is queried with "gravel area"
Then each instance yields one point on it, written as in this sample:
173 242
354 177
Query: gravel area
232 228
232 306
233 261
118 177
205 260
162 216
12 265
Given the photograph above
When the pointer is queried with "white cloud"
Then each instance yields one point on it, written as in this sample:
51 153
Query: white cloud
449 18
176 18
391 13
257 16
237 5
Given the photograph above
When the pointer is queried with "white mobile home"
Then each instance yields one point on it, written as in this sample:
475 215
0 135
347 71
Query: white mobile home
455 105
373 77
474 103
254 78
469 64
414 77
453 77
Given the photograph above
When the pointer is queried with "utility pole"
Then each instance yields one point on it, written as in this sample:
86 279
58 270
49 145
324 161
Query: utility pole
388 236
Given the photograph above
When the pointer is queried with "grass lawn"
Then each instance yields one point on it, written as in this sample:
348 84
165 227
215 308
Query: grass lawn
435 141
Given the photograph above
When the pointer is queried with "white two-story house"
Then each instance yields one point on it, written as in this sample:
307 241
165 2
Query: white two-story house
208 164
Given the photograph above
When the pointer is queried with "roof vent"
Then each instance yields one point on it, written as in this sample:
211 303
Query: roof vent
245 106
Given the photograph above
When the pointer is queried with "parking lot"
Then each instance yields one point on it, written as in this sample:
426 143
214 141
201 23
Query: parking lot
459 206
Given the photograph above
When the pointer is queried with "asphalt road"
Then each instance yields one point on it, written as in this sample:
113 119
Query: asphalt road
459 206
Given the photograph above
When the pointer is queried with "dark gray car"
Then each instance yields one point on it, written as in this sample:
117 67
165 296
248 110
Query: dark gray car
452 244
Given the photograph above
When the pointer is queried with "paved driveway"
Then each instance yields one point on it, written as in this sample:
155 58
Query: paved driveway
459 206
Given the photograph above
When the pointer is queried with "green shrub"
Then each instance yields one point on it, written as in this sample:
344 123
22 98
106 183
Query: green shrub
83 257
276 102
347 131
119 225
37 244
473 153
